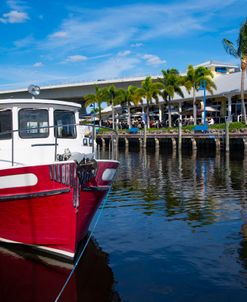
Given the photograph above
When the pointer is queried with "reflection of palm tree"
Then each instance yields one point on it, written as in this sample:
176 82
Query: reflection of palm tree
172 84
240 51
191 204
193 80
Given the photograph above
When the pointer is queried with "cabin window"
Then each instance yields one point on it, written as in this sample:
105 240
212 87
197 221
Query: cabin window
33 123
64 122
5 124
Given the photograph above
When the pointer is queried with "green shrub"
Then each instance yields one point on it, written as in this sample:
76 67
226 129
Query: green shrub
232 126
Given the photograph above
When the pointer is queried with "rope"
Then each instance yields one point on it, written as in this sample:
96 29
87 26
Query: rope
85 246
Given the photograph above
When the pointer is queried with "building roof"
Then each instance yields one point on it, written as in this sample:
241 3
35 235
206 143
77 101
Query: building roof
38 101
217 63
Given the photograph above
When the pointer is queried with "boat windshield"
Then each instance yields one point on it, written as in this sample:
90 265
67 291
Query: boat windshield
33 123
65 122
5 124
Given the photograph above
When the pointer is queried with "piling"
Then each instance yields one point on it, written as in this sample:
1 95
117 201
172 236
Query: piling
194 144
217 144
245 143
126 143
174 144
227 140
145 137
140 143
180 128
103 143
157 143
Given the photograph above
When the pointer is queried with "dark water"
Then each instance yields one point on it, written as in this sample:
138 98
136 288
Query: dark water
174 229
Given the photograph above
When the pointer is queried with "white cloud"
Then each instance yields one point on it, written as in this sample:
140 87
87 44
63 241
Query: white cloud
153 59
112 68
76 58
25 75
108 28
59 34
14 16
25 42
38 64
93 35
17 5
136 45
124 53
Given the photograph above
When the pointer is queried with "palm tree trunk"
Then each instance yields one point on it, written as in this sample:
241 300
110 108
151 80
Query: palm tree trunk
169 113
129 117
100 118
243 71
194 105
113 115
160 113
148 117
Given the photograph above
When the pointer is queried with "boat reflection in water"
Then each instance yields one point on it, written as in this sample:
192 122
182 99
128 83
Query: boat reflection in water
27 276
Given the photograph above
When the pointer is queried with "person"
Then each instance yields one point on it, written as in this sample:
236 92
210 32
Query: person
211 121
191 120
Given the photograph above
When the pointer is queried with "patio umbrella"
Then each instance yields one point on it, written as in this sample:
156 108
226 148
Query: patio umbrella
211 109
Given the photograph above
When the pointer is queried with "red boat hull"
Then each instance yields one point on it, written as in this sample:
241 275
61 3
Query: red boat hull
53 210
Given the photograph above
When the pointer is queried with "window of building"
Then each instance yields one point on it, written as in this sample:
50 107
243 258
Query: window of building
33 123
221 69
64 122
5 124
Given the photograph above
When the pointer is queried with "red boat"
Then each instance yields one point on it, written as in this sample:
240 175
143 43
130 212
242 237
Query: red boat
51 185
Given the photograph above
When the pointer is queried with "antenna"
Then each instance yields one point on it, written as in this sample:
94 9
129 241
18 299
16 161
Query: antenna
34 90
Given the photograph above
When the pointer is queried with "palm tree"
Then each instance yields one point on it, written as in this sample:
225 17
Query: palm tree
98 98
193 80
172 83
112 98
240 51
149 91
128 97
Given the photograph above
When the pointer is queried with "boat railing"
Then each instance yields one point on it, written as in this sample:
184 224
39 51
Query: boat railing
89 133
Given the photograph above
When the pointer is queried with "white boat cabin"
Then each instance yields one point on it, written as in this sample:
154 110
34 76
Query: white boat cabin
34 131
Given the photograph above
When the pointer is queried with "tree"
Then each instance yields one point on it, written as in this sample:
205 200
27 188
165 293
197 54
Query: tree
172 83
98 98
149 90
240 51
112 98
129 97
193 79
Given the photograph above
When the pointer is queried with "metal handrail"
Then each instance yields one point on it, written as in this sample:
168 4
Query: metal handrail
56 136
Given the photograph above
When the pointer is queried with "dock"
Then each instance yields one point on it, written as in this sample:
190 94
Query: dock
220 140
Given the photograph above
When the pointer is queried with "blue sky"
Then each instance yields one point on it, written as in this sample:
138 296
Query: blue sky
70 41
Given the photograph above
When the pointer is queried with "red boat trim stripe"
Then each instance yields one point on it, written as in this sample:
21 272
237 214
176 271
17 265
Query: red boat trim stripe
33 195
